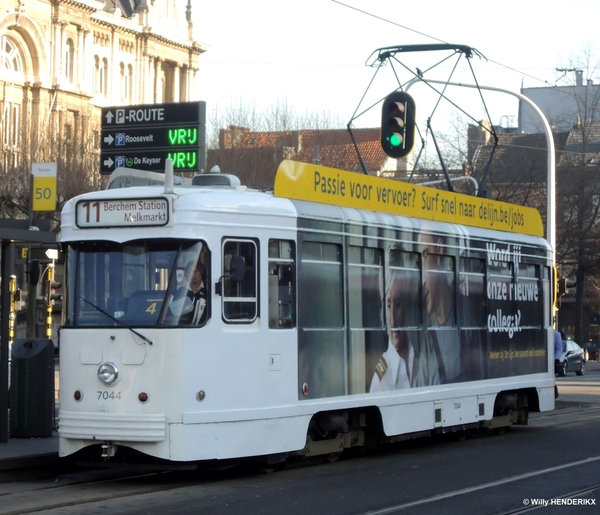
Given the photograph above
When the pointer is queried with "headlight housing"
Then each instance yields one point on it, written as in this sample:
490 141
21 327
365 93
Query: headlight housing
108 373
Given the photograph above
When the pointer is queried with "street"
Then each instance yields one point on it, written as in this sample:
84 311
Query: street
580 389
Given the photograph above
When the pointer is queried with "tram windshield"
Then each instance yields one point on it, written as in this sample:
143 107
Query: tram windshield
137 283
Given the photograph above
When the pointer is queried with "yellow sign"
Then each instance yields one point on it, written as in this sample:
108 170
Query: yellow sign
314 183
44 187
44 193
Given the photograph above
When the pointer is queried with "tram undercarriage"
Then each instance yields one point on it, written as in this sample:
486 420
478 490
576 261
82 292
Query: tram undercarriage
331 433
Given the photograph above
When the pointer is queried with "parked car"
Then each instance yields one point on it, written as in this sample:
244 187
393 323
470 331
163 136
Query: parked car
572 359
592 351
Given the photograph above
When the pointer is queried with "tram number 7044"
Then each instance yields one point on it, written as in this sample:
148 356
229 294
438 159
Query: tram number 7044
104 395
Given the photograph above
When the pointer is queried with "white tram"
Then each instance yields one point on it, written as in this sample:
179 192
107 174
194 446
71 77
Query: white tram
338 310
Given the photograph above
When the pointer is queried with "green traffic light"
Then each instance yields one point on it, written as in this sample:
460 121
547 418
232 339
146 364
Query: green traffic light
395 140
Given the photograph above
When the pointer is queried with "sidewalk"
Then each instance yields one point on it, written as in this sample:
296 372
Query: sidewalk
25 452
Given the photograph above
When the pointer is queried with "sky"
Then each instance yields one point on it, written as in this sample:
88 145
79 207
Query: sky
311 54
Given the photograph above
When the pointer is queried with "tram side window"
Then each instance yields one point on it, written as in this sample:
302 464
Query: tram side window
365 287
472 317
527 294
322 306
499 287
240 298
403 293
282 284
440 289
439 294
472 305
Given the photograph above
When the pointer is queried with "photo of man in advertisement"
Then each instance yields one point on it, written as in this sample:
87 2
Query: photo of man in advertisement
405 363
439 298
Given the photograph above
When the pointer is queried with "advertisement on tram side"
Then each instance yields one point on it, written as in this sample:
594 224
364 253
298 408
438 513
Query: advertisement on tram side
434 307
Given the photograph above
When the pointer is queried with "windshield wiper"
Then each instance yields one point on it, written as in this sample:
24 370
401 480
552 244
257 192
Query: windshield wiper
116 320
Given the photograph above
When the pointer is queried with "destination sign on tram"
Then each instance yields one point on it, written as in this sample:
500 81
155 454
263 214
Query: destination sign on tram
145 212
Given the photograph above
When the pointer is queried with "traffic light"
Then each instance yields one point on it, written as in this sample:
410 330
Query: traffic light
35 270
398 124
570 286
562 286
55 294
566 286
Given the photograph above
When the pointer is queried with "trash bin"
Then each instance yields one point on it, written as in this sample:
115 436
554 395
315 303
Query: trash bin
31 388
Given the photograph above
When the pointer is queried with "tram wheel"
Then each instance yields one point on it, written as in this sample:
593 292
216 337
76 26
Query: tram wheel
461 436
333 457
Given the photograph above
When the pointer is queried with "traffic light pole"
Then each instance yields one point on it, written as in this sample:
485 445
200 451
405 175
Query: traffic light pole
551 201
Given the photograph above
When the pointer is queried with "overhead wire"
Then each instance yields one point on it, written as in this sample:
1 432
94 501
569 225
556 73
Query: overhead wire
436 39
388 21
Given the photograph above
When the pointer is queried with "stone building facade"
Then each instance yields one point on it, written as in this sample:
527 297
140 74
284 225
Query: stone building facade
61 61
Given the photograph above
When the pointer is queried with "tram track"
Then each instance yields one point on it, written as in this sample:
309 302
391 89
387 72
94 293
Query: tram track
83 485
529 504
69 492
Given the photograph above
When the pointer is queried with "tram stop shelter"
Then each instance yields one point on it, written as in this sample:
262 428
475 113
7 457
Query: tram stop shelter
11 233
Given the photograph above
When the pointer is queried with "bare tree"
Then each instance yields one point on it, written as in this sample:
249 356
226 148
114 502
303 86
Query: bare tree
280 116
454 143
578 221
578 189
72 146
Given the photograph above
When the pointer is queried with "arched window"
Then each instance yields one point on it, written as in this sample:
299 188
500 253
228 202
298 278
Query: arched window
130 83
69 62
171 11
123 89
126 82
11 66
101 76
11 61
105 77
97 75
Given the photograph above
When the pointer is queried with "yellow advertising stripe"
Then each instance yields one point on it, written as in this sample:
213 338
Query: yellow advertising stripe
315 183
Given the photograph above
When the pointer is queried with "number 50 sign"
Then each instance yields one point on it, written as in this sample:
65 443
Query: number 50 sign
43 194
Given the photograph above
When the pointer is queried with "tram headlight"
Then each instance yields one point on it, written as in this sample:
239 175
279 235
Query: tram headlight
108 373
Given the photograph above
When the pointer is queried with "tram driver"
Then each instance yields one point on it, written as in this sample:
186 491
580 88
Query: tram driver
190 300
